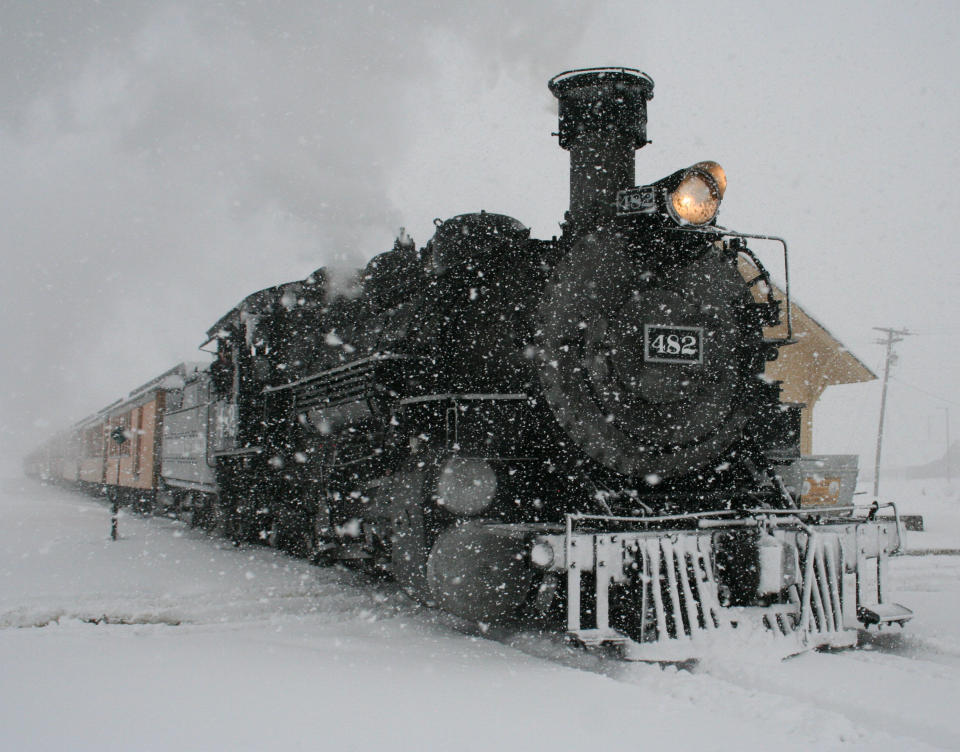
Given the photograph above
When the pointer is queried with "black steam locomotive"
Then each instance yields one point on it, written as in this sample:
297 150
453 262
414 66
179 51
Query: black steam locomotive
576 428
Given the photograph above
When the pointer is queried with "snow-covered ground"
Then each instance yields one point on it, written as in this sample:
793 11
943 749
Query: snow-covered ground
170 640
937 501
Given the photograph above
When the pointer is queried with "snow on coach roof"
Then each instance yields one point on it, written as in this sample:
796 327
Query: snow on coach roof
172 379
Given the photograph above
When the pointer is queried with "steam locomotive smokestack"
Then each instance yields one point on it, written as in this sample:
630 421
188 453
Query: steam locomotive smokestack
603 121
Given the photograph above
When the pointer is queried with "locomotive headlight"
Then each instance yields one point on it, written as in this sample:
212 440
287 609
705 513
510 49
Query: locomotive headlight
716 172
466 486
696 199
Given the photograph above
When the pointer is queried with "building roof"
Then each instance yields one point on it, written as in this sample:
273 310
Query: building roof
816 360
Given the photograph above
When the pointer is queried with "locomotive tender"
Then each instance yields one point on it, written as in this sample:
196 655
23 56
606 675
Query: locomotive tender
575 429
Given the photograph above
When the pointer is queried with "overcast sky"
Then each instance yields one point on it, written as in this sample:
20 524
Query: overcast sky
162 160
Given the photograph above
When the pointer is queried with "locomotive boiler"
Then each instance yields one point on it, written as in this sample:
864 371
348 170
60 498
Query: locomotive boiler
576 429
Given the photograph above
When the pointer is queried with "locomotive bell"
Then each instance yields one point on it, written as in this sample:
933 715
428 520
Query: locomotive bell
603 121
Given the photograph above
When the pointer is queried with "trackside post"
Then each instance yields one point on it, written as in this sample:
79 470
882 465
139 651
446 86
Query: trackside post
118 435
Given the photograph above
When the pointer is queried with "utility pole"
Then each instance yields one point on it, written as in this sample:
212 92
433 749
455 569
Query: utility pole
893 336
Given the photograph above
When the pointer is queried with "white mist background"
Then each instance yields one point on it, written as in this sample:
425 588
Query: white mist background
163 160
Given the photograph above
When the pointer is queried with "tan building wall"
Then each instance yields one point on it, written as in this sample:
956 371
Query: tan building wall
815 361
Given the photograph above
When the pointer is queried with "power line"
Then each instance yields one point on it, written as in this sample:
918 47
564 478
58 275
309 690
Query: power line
924 391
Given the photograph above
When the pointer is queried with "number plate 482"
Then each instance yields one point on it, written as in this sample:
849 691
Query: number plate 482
672 344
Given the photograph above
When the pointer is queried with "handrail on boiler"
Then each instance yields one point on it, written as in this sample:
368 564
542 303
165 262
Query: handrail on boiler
724 232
